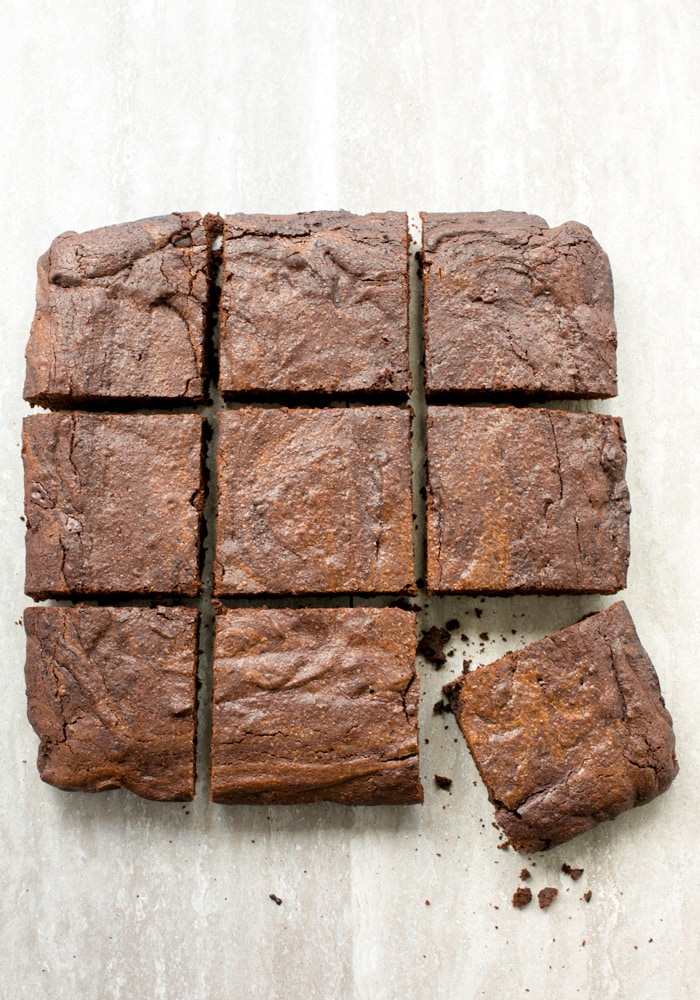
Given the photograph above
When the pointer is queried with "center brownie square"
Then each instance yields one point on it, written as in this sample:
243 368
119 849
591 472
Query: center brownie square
316 302
314 501
526 501
113 504
315 704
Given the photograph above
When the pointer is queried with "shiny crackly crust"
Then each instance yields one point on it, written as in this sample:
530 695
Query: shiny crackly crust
568 732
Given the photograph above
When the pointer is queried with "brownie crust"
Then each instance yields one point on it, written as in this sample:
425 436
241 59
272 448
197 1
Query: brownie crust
316 302
568 732
314 501
315 704
526 501
111 695
113 504
120 315
511 305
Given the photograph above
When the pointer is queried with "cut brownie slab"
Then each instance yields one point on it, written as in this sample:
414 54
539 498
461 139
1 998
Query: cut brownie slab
111 694
316 302
315 704
120 314
113 504
526 501
511 305
569 731
314 501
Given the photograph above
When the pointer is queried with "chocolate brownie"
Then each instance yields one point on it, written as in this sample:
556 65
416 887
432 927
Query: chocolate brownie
569 731
526 501
314 501
113 504
111 694
120 314
315 704
316 302
511 305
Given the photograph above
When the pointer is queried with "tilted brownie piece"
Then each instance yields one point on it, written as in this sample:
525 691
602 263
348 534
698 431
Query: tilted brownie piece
120 314
314 501
511 305
113 504
526 501
316 302
111 694
315 704
569 731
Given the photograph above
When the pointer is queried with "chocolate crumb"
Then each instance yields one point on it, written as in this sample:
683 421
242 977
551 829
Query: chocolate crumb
275 899
587 895
504 846
443 782
545 897
432 643
466 665
478 612
484 636
574 873
525 875
452 625
427 902
521 897
442 708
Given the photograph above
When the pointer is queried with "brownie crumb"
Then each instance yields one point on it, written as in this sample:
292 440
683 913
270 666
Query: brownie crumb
484 636
521 897
452 625
525 875
432 643
442 782
427 902
545 897
587 895
275 899
478 612
574 873
504 846
442 708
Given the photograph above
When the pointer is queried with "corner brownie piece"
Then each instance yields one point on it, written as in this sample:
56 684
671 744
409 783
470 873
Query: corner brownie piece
315 704
113 504
526 501
316 302
314 501
111 694
511 305
120 314
568 732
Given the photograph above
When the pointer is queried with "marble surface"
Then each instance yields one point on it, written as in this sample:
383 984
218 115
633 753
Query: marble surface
586 111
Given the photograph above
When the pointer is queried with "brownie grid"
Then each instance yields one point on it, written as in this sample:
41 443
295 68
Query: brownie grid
244 400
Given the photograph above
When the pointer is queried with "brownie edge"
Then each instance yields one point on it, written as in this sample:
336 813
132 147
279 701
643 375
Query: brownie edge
568 732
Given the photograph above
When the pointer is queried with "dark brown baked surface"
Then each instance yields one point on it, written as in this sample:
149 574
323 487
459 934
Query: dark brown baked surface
316 302
120 314
526 501
569 731
314 501
113 504
315 704
511 305
111 694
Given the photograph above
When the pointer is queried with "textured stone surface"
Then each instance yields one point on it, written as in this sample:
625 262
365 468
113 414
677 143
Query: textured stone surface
315 704
314 501
120 314
316 302
526 500
512 305
113 504
111 694
569 731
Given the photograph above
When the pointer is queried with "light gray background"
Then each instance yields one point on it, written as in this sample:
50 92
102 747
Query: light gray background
583 110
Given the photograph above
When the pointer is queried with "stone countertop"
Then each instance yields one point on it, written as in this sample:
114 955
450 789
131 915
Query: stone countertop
584 112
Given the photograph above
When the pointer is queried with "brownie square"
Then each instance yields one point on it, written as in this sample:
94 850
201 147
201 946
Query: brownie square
113 504
568 732
316 302
120 314
314 501
111 694
315 704
511 305
526 501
